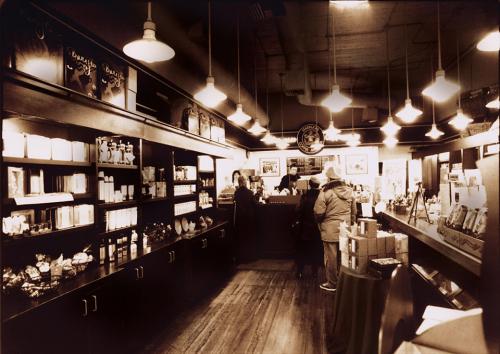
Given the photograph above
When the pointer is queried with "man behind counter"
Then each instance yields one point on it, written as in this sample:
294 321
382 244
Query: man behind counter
289 180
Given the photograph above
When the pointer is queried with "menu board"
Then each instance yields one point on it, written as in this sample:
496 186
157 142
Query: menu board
308 165
112 84
80 72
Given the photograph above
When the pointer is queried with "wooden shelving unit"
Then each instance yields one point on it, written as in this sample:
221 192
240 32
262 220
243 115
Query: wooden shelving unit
28 161
117 166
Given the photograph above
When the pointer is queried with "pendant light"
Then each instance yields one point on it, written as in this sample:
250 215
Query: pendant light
239 117
490 42
390 128
408 113
317 145
460 121
493 104
352 139
148 48
281 142
256 128
209 95
335 101
268 138
390 142
434 133
351 4
441 89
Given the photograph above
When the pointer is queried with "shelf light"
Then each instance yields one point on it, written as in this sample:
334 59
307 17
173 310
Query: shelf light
148 48
490 42
351 4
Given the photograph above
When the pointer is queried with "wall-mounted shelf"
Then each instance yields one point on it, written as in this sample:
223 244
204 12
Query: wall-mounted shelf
154 200
186 182
118 205
112 233
185 196
111 165
47 235
28 161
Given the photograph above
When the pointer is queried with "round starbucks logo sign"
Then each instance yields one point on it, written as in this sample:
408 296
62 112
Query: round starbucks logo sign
310 139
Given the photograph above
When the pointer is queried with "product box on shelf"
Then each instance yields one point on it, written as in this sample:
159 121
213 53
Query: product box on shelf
61 149
38 147
368 227
14 144
80 151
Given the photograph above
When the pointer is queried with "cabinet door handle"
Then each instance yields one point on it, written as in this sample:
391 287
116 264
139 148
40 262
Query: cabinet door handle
206 243
173 255
95 303
85 308
170 258
142 271
137 276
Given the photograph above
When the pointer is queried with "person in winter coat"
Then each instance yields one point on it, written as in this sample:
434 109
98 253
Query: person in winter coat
244 222
334 205
309 246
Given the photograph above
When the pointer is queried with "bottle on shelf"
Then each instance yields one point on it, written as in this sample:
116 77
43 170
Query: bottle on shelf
101 186
102 252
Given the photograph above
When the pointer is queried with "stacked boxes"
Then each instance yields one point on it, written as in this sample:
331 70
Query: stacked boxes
363 243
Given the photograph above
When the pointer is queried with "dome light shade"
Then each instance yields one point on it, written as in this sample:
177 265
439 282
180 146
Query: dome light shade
434 133
256 129
460 121
148 48
441 89
281 143
351 139
408 113
490 43
390 128
336 101
239 117
494 104
331 133
390 142
210 96
268 139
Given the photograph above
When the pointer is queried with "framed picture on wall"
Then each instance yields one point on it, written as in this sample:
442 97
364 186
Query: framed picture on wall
356 164
269 167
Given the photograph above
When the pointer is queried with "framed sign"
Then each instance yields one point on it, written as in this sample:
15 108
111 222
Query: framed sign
310 139
269 167
356 164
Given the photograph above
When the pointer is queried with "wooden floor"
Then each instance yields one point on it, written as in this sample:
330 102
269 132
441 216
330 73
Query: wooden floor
262 309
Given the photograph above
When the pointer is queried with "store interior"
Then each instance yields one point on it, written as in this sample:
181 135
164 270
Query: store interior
157 160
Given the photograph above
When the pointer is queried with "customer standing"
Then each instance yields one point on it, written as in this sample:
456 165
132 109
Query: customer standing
334 205
244 222
309 247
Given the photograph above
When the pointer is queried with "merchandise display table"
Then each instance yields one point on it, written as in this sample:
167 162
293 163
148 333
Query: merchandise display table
358 308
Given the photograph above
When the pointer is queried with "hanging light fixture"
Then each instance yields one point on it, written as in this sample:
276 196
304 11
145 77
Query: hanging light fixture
148 48
239 117
256 128
408 113
331 133
351 4
460 121
335 101
352 138
268 138
280 142
390 141
441 89
209 95
390 128
318 144
493 104
490 42
434 133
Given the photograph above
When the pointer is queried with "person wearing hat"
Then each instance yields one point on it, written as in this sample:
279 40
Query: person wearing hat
309 246
334 205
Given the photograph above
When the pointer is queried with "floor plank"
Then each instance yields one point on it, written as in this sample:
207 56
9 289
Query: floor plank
262 309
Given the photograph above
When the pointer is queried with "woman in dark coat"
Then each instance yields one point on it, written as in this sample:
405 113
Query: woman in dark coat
309 245
244 222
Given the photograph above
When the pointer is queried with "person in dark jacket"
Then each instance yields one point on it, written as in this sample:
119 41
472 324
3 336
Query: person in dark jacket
309 245
289 180
335 204
244 222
